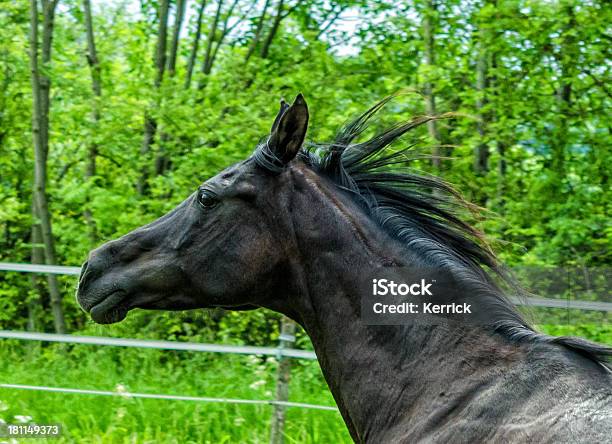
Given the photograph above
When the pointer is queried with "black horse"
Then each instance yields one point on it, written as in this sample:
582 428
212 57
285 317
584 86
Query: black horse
300 229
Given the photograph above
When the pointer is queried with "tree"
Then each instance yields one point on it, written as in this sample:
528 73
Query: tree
150 123
217 36
41 87
226 29
428 24
96 86
278 17
258 30
162 161
195 45
566 58
207 61
481 151
176 31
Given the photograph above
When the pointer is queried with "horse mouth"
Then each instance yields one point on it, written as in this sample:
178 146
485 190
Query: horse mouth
111 309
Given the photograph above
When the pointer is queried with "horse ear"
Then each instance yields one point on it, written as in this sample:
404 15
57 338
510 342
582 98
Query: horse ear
284 106
289 129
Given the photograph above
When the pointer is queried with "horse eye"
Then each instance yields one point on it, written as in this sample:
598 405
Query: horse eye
207 199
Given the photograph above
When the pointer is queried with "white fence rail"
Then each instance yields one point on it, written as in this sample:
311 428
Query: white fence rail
128 395
565 303
35 268
162 345
535 302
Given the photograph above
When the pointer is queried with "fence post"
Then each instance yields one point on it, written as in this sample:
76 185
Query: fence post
286 339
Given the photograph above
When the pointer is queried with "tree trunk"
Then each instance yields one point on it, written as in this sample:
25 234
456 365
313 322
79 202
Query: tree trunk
162 161
41 85
206 63
258 30
196 44
38 257
273 30
481 153
500 135
162 39
96 86
430 100
226 29
44 81
176 30
567 57
150 124
501 168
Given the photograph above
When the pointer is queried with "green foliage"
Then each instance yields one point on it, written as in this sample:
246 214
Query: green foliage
594 332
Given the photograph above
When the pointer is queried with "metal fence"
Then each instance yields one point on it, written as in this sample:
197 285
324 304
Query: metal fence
531 301
278 352
282 352
163 345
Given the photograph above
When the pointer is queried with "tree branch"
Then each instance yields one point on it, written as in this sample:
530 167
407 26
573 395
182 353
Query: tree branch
331 21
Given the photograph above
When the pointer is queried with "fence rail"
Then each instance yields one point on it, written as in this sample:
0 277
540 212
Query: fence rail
128 395
532 301
35 268
564 303
162 345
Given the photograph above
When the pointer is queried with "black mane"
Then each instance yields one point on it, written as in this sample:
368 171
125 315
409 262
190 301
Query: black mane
425 214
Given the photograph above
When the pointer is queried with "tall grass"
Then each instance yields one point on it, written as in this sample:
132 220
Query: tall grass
100 419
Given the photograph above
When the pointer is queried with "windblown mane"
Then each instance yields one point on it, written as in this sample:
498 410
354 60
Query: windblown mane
424 213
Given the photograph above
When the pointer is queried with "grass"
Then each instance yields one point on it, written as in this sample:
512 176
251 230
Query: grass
100 419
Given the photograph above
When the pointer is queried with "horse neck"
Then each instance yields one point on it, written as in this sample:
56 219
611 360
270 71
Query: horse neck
374 372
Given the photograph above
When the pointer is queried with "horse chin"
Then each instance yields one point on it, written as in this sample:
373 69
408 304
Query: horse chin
111 309
111 316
